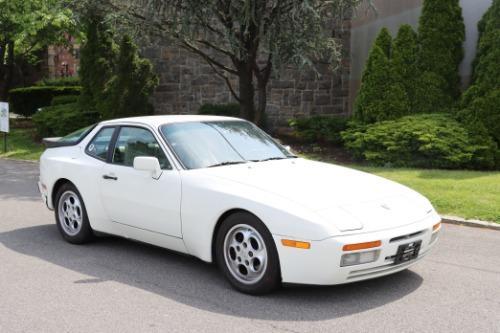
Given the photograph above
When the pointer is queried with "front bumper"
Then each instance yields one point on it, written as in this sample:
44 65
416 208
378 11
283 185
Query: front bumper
320 265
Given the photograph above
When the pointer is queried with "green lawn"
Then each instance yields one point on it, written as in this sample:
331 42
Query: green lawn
20 145
468 194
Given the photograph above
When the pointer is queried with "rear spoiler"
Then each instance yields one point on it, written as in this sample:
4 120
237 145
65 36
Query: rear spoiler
54 143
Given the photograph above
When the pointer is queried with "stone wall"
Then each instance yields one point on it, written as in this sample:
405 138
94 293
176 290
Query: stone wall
187 81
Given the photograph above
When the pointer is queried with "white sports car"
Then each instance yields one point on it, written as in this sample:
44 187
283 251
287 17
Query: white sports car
222 190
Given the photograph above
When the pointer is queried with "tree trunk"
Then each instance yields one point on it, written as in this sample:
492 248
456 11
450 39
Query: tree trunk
247 104
9 71
3 45
261 103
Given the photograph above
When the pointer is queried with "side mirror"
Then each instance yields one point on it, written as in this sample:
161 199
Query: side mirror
289 149
147 163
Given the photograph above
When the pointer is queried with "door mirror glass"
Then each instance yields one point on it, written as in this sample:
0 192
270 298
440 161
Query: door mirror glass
146 163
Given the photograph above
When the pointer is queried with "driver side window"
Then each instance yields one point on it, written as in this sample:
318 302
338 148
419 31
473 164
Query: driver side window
136 141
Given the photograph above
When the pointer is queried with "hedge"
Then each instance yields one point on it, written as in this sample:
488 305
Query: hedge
64 99
229 110
319 128
26 101
424 141
59 120
59 82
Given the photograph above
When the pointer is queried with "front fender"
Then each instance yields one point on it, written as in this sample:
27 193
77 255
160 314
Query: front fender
205 199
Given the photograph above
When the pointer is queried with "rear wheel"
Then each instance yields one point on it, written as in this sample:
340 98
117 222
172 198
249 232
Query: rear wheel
71 215
247 255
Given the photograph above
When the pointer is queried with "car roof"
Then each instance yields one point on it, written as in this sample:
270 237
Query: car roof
157 121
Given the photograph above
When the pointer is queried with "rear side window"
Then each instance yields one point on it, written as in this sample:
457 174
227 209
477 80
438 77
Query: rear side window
99 145
76 136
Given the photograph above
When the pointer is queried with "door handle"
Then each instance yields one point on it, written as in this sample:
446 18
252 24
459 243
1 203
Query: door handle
109 177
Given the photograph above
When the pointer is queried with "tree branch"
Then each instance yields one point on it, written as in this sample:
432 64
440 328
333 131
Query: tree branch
215 47
207 58
228 83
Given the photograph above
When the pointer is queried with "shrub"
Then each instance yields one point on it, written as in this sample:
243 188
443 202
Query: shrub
133 81
427 140
64 99
228 110
320 128
484 111
60 82
59 120
441 34
379 97
26 101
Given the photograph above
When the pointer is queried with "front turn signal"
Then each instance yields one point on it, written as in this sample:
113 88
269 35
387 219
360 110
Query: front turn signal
297 244
361 246
436 227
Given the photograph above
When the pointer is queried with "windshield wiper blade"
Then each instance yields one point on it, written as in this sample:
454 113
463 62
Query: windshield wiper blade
270 159
225 163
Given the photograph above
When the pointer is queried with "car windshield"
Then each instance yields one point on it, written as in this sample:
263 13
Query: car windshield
217 143
77 135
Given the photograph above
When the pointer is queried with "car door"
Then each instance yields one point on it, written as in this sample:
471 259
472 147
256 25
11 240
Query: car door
134 198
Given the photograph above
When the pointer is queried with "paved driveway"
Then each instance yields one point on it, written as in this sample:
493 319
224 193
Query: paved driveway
47 285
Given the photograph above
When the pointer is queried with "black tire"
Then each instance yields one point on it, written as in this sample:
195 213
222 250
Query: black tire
271 275
83 233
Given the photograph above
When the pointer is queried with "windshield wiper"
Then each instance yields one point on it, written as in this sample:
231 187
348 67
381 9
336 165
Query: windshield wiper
273 158
225 163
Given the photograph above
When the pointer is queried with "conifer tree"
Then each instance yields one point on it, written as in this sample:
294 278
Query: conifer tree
131 85
380 97
404 61
441 34
481 102
97 58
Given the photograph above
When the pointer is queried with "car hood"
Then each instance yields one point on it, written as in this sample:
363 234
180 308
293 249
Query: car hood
350 199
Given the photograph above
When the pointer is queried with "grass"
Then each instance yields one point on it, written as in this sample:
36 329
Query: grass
468 194
20 145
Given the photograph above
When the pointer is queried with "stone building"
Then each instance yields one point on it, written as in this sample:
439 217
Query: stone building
186 81
63 61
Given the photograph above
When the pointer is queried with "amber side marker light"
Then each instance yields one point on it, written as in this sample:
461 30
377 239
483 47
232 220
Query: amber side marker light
436 227
361 246
297 244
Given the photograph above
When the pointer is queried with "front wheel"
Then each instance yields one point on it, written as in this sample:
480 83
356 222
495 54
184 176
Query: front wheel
71 215
247 255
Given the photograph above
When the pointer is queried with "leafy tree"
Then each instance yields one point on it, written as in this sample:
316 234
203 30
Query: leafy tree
246 39
441 34
97 58
404 61
129 89
26 27
380 96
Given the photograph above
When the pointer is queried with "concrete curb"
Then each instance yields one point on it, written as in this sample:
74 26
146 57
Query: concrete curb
470 223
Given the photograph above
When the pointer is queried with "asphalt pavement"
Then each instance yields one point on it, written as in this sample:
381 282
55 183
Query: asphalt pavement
116 285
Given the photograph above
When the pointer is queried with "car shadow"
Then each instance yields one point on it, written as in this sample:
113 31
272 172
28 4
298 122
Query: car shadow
198 284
